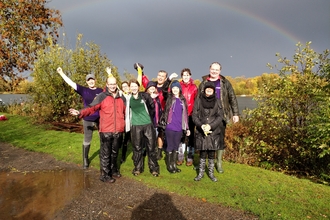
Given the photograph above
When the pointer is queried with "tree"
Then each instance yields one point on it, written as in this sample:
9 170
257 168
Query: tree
290 128
51 95
24 27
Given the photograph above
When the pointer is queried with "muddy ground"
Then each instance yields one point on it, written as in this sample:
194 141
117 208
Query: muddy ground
125 199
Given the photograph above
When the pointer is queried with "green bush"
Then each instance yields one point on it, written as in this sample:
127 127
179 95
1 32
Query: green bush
289 130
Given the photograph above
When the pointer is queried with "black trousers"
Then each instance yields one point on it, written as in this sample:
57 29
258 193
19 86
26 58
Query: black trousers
144 136
110 143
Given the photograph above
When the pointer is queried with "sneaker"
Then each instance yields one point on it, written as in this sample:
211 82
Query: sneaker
136 173
116 175
155 174
189 163
179 163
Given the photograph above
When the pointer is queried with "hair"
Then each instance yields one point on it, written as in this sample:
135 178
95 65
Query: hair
162 71
133 81
216 63
185 70
123 83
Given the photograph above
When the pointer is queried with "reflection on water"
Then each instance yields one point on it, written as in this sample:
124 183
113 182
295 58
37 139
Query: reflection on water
246 102
38 195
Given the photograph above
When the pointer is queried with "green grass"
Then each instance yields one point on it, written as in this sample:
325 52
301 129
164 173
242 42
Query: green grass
267 194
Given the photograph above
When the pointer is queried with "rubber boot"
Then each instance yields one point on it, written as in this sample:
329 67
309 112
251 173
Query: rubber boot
201 169
85 156
211 170
175 155
168 161
123 153
219 160
159 153
190 156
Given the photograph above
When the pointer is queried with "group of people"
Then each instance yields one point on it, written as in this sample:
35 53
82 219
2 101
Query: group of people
169 116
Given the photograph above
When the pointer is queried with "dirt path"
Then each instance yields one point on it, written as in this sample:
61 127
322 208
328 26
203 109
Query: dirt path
125 199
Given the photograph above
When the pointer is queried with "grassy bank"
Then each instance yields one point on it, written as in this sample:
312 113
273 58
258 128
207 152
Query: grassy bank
267 194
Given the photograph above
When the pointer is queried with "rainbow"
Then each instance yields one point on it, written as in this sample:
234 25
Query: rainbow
257 19
214 3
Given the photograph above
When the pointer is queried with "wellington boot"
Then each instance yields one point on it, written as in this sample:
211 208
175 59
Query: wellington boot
219 161
211 170
201 169
159 153
168 160
85 156
175 155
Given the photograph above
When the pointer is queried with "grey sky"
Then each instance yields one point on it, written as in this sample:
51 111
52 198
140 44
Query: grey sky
173 34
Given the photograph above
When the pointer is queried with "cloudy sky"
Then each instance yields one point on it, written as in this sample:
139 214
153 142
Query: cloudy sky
243 35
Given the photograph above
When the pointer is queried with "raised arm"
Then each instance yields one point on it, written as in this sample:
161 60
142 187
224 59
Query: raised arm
67 79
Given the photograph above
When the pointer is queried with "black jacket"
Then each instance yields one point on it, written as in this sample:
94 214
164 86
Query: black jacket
214 117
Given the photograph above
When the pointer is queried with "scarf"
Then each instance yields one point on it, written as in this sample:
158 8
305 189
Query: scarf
208 102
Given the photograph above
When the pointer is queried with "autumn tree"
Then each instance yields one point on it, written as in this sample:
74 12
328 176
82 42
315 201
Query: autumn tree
51 95
289 129
24 27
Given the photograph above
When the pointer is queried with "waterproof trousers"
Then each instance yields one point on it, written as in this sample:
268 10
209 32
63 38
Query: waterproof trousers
110 143
144 136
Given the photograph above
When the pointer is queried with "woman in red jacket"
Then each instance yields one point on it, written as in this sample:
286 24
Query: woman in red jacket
189 91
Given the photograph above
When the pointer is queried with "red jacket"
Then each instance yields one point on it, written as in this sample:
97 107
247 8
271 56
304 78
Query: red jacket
112 111
189 91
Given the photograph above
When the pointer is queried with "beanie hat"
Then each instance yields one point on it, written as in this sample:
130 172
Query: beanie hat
176 83
209 84
151 84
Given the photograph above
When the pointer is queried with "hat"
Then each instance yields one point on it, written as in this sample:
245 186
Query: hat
209 84
151 84
90 76
176 83
140 65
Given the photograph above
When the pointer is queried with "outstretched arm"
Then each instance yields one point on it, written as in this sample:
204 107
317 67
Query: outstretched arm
67 79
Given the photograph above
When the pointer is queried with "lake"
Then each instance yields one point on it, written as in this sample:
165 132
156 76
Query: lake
13 98
244 102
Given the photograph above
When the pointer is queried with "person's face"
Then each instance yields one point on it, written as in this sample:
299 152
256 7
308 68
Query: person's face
125 87
161 77
134 88
209 92
91 83
215 71
112 84
186 77
152 90
176 91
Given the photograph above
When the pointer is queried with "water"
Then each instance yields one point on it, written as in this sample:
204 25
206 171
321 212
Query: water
243 102
13 98
38 195
246 102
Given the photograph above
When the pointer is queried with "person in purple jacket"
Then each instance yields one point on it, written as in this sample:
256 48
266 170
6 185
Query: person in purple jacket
88 94
174 121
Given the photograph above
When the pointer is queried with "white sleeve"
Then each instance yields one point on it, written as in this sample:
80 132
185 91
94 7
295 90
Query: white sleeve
69 81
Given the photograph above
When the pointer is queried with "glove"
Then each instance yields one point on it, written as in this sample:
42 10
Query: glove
173 75
108 70
206 128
